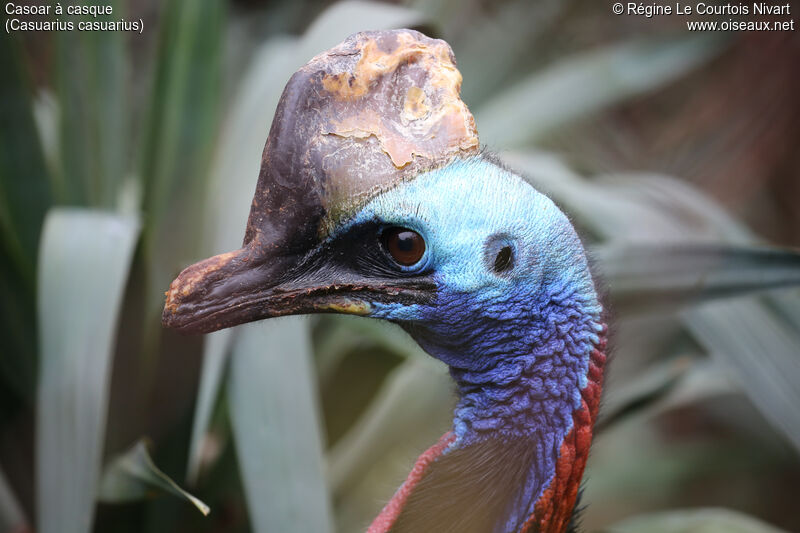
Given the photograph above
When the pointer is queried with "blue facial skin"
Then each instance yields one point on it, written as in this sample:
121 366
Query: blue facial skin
517 341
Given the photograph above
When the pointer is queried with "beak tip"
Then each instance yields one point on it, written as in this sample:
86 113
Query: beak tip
171 316
192 286
183 322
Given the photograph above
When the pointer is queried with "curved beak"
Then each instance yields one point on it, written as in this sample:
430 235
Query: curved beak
370 113
247 285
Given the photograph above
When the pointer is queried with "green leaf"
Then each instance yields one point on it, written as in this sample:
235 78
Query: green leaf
178 136
133 475
758 344
333 345
12 517
276 427
410 413
664 386
575 87
647 277
677 210
92 88
510 44
234 172
215 358
763 351
631 207
706 379
647 389
416 394
345 18
342 335
757 339
236 164
24 187
382 334
237 161
84 260
709 520
46 114
235 167
24 198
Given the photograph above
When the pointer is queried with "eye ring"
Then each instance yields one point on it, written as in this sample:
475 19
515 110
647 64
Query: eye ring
404 246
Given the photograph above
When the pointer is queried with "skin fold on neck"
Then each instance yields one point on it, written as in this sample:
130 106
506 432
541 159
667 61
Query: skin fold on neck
524 346
527 398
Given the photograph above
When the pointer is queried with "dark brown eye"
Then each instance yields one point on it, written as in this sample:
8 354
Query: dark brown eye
404 245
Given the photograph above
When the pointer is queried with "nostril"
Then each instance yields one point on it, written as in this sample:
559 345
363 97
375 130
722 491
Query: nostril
500 254
504 259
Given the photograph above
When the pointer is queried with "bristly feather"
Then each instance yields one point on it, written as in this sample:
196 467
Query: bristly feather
524 347
577 514
469 489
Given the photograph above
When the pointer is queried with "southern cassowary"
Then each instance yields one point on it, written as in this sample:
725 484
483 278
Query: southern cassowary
373 199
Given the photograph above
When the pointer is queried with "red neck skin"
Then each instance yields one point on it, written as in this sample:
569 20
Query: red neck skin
554 508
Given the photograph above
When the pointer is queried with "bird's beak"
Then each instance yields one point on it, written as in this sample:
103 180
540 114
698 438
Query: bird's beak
373 112
245 285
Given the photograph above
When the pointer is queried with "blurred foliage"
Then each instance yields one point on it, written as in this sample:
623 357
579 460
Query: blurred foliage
144 150
130 476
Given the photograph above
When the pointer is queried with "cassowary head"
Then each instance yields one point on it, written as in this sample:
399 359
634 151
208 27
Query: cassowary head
373 200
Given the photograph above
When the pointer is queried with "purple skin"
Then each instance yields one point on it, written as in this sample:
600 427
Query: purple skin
502 294
518 340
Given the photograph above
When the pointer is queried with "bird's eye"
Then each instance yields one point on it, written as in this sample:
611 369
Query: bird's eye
405 246
504 259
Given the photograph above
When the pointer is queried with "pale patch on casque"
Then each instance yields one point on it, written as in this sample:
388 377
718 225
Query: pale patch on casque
415 106
434 120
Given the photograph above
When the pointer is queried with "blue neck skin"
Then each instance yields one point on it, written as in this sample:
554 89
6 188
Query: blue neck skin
520 371
518 341
534 358
532 362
